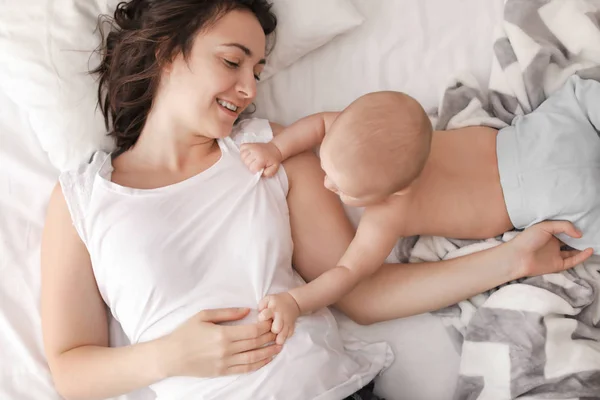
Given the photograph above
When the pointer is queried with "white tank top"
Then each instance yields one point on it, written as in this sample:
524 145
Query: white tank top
219 239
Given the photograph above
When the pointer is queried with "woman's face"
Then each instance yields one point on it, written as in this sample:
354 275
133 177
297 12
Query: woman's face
207 93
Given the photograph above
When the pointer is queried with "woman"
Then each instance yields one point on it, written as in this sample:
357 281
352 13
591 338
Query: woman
172 228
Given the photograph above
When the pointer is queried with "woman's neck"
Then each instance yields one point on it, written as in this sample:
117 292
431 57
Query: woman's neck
163 144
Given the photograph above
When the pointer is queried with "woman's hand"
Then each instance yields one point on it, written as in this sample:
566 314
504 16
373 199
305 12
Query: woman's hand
200 348
539 252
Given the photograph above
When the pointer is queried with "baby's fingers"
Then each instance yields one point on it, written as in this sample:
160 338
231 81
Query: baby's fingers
247 147
246 151
277 326
256 165
282 336
266 314
264 303
271 170
247 157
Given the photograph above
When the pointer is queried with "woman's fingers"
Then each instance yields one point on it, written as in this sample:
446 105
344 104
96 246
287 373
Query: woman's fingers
244 332
242 346
251 357
556 227
223 314
246 368
572 258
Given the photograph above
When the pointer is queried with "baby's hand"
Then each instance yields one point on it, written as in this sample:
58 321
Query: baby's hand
283 310
259 156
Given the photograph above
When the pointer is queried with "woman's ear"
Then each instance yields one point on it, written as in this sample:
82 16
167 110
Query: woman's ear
164 60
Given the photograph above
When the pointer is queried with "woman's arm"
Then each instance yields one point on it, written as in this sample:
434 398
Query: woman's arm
74 320
75 330
321 233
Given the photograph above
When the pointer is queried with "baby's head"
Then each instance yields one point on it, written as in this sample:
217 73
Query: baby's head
376 147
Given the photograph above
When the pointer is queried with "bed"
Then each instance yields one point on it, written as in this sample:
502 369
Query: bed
406 45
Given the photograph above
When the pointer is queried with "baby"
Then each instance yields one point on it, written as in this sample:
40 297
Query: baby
373 149
471 183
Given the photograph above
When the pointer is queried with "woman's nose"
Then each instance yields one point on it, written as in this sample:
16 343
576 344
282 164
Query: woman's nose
247 86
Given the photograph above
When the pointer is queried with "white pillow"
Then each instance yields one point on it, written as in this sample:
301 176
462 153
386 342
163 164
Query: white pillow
305 25
46 46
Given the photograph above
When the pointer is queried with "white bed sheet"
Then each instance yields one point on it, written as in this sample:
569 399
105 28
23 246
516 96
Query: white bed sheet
405 45
26 180
414 46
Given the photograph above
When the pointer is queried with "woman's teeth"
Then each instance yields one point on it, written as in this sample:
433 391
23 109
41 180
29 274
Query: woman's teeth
227 105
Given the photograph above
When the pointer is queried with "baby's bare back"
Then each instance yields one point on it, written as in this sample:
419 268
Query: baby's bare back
458 194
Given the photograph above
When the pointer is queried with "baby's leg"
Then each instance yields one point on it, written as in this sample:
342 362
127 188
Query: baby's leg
550 162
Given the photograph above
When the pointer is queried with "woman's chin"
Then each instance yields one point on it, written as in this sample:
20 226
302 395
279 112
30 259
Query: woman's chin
226 131
220 129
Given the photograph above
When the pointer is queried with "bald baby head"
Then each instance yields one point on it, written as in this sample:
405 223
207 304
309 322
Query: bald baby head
377 146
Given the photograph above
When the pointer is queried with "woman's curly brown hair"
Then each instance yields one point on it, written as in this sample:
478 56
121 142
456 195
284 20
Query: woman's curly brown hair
144 36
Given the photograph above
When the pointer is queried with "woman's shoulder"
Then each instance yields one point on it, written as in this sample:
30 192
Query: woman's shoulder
76 186
88 168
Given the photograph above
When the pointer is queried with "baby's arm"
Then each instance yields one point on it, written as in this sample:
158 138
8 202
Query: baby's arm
304 134
297 138
374 240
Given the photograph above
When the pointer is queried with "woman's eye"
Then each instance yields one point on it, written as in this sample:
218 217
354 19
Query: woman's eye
234 65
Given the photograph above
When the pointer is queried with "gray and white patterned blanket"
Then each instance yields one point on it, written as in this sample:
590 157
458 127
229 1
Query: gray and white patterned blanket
538 338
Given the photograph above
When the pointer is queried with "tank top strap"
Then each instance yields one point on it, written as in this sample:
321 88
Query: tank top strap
252 130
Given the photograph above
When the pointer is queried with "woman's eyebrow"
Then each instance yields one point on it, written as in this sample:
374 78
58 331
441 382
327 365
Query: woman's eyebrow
245 49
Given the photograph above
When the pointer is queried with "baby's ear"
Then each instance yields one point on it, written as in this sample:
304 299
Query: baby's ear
407 189
403 192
